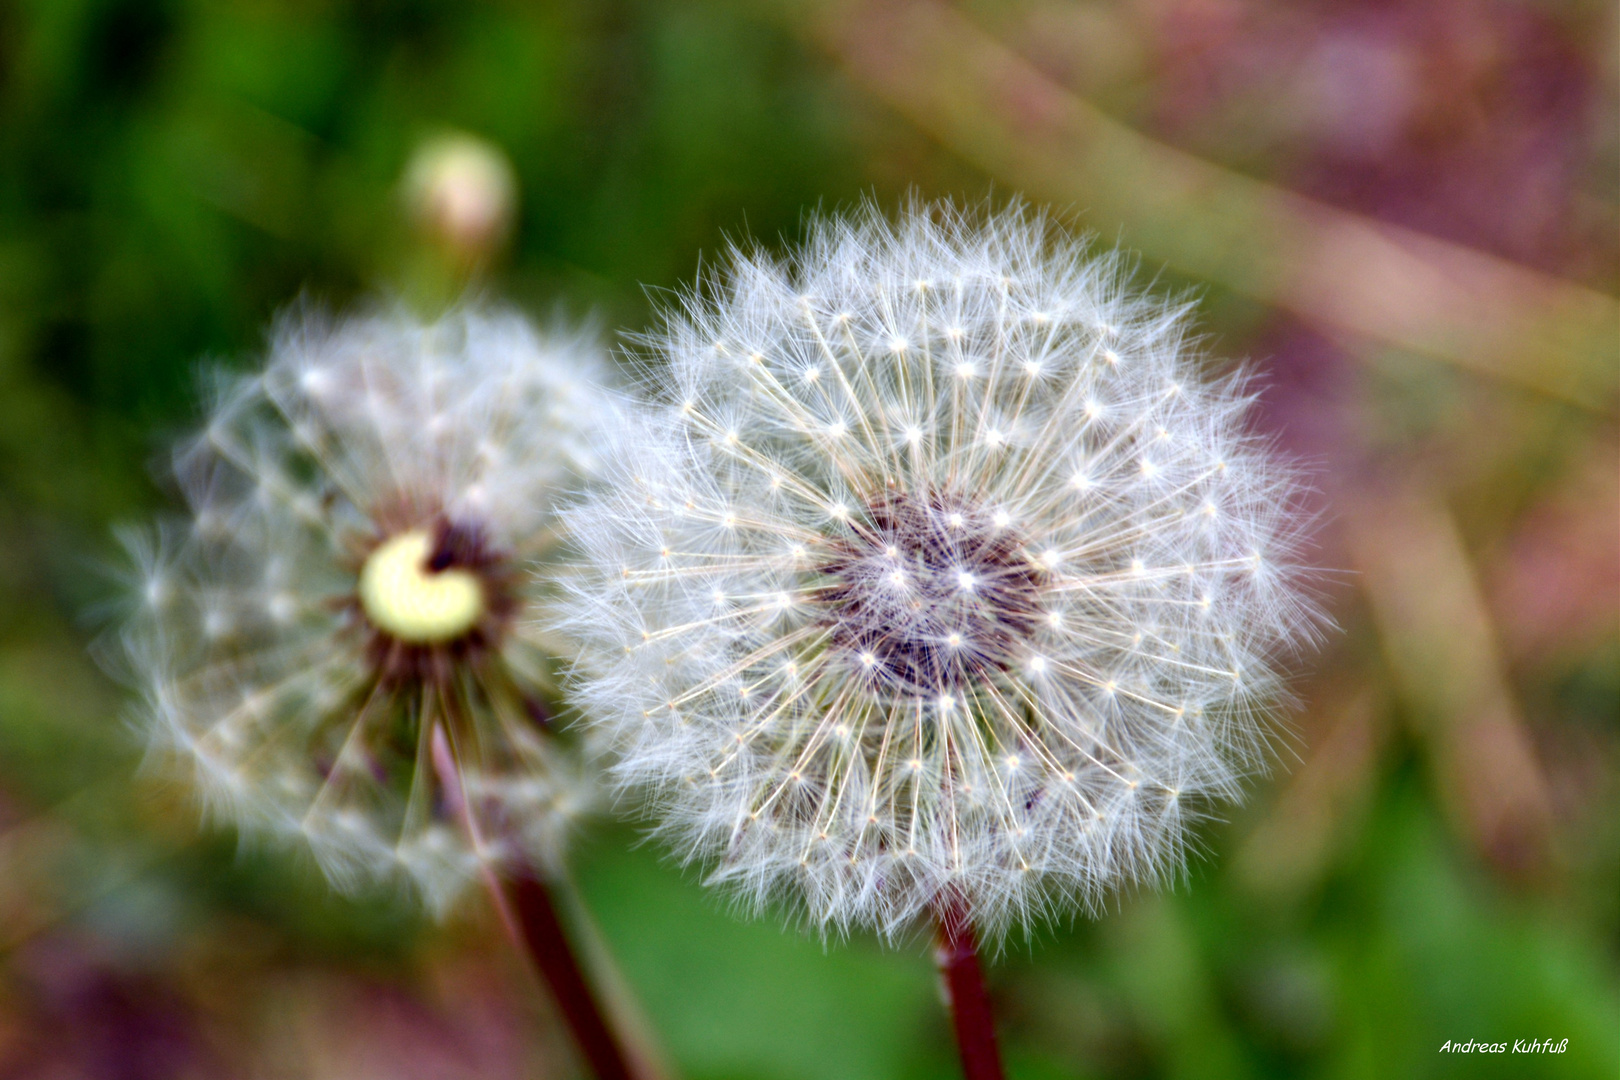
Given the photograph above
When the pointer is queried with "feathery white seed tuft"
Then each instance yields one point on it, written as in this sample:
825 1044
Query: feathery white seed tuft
1014 628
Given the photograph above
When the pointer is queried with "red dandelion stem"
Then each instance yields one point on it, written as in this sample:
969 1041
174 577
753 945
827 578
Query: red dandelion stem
523 901
543 937
958 957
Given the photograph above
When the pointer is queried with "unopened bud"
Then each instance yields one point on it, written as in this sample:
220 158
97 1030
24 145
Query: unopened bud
461 192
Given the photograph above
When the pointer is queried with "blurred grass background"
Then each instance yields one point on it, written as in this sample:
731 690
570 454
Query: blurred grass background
1404 213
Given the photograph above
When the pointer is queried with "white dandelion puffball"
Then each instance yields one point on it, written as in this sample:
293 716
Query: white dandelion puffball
338 642
942 582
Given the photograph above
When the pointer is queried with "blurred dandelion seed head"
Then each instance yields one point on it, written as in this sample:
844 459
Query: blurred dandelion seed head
337 642
944 575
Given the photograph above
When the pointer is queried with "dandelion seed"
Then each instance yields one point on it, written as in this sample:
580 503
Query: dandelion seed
998 641
350 600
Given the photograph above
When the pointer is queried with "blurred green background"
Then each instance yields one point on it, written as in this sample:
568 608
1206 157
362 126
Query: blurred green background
1405 214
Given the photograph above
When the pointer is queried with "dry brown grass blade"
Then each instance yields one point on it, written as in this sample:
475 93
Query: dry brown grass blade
35 857
1337 269
1442 653
1292 845
49 870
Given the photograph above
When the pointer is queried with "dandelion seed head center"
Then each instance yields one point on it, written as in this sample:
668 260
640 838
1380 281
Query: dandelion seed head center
404 597
928 593
441 585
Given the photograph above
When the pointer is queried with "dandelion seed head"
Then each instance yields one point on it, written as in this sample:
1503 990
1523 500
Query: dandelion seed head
1013 633
343 652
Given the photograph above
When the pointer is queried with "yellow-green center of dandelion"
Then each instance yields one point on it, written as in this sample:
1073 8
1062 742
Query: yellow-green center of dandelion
404 596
